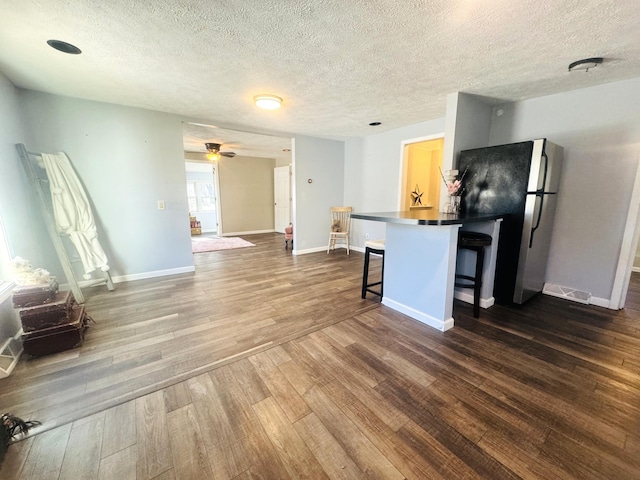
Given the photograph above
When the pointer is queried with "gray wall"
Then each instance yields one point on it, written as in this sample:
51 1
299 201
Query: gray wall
471 117
15 202
373 166
599 128
322 161
468 124
128 159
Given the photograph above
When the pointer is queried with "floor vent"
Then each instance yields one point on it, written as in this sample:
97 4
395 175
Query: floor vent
566 292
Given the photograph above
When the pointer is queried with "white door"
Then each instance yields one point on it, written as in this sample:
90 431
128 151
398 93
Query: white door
282 197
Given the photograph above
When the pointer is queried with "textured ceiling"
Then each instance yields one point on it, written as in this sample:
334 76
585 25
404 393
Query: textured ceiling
244 144
339 65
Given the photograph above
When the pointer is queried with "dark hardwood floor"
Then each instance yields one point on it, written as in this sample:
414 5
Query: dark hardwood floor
264 365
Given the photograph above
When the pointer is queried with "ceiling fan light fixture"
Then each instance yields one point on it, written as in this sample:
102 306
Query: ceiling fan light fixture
267 101
585 64
213 151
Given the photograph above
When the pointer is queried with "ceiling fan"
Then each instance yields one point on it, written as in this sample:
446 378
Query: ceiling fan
214 153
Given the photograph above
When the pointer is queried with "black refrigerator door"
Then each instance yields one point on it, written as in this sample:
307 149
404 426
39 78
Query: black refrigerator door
496 178
496 181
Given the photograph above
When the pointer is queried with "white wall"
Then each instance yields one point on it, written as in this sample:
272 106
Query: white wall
128 159
599 128
321 161
372 172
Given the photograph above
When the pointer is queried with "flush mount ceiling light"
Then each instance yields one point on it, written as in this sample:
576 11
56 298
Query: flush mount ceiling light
64 47
585 64
267 101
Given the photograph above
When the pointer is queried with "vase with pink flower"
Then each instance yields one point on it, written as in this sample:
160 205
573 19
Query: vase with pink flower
454 189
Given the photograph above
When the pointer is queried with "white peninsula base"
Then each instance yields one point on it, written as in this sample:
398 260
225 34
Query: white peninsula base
421 261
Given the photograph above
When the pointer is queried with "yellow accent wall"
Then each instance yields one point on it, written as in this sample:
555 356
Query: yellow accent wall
422 162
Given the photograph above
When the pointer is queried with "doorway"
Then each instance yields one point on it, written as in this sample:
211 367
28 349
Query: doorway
421 174
202 196
282 197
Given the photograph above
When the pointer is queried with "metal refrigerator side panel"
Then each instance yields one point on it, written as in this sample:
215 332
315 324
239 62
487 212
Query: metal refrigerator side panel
532 266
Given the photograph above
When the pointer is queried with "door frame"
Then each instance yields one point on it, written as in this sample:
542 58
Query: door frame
402 174
289 196
628 248
216 185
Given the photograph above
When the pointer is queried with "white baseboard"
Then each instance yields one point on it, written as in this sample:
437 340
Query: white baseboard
467 297
635 269
324 249
443 326
601 302
575 295
250 232
567 293
154 274
309 250
131 278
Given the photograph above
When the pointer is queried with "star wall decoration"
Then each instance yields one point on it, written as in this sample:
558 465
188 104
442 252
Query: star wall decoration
416 196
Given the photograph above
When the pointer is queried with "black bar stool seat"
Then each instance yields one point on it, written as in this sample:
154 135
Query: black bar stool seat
476 242
377 247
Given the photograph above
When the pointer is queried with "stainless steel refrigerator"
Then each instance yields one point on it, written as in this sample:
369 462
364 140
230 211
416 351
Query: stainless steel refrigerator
519 180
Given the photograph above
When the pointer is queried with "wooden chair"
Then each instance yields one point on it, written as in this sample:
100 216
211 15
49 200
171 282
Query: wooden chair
340 224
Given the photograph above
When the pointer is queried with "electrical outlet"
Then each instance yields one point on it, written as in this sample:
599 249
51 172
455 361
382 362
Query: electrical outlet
160 204
366 236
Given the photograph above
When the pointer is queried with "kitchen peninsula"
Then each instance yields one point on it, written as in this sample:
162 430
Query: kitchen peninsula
421 260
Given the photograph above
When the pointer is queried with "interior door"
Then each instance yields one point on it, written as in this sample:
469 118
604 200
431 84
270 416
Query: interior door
282 197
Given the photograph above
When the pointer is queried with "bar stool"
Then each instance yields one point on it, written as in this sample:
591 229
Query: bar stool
377 247
476 242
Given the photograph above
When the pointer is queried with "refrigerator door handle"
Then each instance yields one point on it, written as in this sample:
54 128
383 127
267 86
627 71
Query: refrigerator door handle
540 195
537 224
543 189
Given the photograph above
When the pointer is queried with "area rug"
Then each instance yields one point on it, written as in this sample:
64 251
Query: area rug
207 244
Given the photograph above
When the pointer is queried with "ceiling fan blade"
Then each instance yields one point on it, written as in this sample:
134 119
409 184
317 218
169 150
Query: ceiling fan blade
228 154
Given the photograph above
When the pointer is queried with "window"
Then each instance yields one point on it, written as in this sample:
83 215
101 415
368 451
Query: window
192 197
201 197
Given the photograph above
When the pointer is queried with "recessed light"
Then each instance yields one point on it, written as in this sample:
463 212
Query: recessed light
375 124
585 64
64 47
267 101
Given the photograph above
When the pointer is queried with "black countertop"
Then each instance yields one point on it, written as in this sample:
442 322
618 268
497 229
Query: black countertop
426 217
